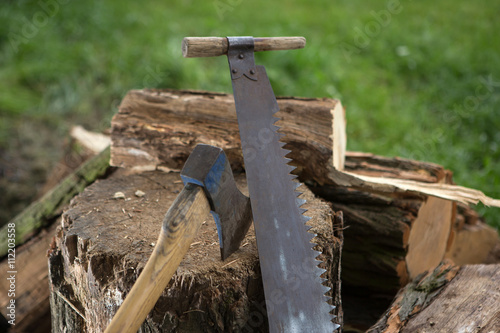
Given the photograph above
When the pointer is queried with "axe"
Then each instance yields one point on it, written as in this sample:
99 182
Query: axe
209 186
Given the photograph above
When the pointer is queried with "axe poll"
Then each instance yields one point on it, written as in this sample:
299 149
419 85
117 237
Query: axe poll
209 186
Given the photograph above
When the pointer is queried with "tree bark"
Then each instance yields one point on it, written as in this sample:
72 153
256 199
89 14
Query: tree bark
46 209
157 129
32 312
104 244
448 299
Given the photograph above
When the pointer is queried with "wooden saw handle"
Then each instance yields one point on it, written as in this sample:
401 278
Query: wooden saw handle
216 46
180 225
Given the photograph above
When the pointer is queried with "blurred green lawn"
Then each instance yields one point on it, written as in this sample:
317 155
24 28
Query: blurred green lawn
418 79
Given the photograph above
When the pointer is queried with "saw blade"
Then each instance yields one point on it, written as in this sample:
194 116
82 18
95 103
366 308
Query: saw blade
294 290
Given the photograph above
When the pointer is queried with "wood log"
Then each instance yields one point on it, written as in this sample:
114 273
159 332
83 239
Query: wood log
32 312
46 209
473 240
157 129
392 234
31 266
448 299
104 243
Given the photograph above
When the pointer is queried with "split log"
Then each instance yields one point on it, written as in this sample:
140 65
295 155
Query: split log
473 240
104 243
157 129
392 234
448 299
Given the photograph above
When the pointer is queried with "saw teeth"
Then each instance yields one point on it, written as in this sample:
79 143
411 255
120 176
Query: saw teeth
300 202
328 300
318 261
322 271
310 235
326 289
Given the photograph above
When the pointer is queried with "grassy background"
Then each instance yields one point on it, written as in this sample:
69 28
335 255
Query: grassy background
419 79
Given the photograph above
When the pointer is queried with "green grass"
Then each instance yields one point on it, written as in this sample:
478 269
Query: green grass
414 87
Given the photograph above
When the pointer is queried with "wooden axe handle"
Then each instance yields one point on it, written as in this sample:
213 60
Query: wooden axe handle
180 225
216 46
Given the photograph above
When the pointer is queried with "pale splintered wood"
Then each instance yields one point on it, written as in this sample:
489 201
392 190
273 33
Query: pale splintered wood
95 142
450 192
216 46
339 136
472 244
180 226
429 235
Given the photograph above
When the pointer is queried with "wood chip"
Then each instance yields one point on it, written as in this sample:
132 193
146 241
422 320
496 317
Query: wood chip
139 193
119 195
229 263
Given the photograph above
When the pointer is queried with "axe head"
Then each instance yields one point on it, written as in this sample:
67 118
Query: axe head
207 166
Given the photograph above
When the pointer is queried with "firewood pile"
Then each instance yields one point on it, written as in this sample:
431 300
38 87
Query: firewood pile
402 248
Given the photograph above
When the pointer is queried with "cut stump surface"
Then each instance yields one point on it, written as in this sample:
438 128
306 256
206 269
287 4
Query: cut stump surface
105 242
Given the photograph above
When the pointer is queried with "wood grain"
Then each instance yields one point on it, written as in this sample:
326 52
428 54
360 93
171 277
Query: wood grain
447 299
469 303
158 129
180 226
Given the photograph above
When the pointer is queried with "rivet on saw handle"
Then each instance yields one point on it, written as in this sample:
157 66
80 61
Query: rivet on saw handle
193 47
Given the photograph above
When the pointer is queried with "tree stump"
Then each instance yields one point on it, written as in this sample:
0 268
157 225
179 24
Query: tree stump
104 243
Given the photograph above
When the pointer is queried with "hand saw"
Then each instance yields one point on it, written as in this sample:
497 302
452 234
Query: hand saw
294 290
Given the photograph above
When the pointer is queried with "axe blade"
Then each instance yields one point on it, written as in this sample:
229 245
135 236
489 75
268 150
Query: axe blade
230 208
